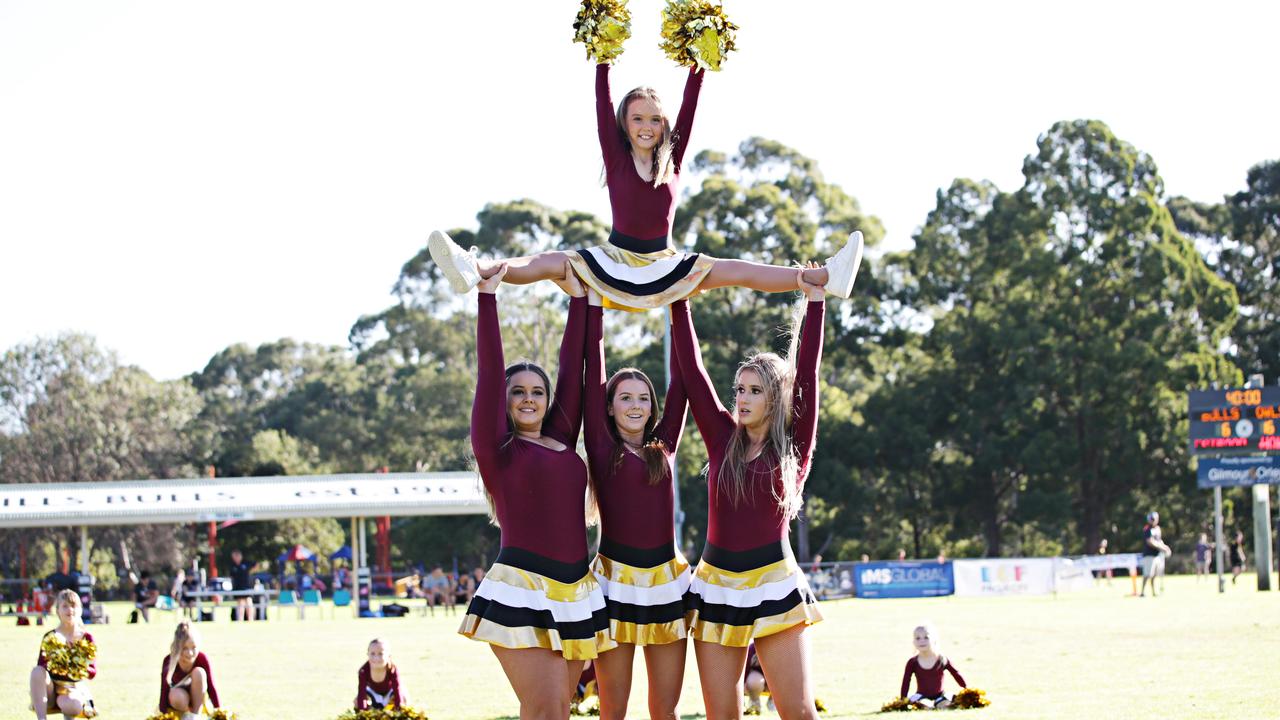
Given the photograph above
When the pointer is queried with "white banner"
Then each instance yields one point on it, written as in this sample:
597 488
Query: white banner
258 498
1004 576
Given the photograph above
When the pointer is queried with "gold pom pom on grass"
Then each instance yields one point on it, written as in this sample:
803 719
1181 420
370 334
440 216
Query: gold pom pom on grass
589 706
166 715
899 704
970 698
391 713
696 33
223 714
602 25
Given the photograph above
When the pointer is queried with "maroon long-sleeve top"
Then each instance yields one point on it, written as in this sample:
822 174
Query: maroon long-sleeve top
756 520
928 681
43 662
633 512
538 493
168 680
389 685
641 210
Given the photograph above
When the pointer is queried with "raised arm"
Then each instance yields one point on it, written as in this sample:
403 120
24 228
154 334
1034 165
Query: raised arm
714 421
595 419
611 146
804 399
564 417
489 409
688 106
671 426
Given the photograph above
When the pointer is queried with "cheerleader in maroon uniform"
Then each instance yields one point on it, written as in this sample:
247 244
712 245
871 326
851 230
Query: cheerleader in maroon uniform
747 585
927 667
638 268
631 448
54 693
188 680
379 680
539 606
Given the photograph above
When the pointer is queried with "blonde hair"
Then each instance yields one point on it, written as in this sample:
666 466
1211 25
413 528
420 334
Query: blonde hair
70 597
935 641
664 165
386 652
181 634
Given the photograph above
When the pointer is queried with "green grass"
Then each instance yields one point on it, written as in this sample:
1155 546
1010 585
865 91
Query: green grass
1191 653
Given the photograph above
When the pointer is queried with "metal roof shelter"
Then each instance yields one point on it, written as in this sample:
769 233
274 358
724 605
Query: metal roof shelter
195 500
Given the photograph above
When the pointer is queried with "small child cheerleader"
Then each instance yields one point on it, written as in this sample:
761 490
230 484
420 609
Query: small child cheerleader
638 269
927 667
65 665
379 681
186 678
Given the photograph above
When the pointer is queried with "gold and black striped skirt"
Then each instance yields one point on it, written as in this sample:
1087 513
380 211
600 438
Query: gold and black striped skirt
737 596
645 592
632 274
530 601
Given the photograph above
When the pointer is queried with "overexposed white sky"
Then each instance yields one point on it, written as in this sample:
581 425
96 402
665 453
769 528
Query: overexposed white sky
177 177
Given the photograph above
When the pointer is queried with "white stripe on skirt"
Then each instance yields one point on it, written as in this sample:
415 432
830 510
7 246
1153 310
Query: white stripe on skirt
562 611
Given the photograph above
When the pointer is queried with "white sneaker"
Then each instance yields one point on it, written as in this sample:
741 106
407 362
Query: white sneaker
842 267
458 265
190 716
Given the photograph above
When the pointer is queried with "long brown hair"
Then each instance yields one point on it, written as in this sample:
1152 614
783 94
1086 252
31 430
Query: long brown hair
777 375
664 166
652 451
71 598
516 367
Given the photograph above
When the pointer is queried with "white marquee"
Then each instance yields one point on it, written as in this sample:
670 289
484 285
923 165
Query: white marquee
258 498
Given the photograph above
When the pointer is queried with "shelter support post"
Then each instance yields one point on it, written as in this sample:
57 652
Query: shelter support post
1262 534
1219 546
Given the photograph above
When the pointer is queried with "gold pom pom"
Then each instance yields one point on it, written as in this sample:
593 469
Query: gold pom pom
899 704
970 698
69 661
166 715
588 706
819 705
696 33
390 713
602 25
223 714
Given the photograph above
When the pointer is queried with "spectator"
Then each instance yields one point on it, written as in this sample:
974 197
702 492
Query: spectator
464 589
1154 551
145 596
1235 549
1105 572
1203 550
437 588
902 555
241 583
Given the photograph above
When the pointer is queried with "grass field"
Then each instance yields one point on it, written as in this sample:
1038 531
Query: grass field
1190 653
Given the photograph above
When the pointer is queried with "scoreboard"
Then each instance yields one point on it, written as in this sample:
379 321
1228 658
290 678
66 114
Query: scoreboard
1235 420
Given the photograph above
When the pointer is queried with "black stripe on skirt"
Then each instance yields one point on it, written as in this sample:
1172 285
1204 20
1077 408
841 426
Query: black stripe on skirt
653 287
739 561
647 614
638 557
516 617
635 244
567 573
732 615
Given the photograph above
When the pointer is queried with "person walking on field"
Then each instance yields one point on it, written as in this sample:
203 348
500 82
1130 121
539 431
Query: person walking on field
240 581
1154 551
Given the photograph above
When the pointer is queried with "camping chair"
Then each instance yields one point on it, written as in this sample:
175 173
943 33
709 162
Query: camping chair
341 597
310 598
286 597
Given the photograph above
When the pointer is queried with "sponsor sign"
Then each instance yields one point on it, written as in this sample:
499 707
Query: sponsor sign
924 578
1105 562
1004 576
1236 471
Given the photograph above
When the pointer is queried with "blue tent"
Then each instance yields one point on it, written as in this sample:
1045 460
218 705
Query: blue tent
342 553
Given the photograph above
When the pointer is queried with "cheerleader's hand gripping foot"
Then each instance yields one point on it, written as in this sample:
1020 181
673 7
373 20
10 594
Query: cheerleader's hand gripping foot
459 266
842 267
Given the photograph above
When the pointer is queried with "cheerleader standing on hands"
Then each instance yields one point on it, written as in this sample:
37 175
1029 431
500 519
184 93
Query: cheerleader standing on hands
539 607
187 681
631 447
55 688
643 159
747 585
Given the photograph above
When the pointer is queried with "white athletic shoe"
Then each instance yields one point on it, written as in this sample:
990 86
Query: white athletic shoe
459 266
190 716
842 267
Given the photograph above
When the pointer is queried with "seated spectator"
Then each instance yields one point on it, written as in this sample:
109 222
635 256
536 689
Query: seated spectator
438 589
145 596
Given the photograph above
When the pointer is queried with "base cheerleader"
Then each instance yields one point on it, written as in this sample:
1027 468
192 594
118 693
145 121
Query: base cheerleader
65 665
186 682
379 680
927 667
748 585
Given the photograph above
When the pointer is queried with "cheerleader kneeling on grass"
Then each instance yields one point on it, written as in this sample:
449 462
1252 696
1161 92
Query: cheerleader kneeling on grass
539 607
65 665
187 681
379 680
748 585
